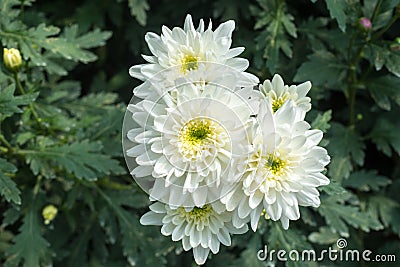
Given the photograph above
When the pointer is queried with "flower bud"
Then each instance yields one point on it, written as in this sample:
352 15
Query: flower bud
365 24
395 46
12 59
49 213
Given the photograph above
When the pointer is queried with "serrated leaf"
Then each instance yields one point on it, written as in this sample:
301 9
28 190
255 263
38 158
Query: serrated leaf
333 188
29 245
384 88
93 39
320 68
9 104
366 181
276 36
324 236
344 144
337 11
385 135
386 209
82 159
8 188
382 56
338 216
321 122
138 10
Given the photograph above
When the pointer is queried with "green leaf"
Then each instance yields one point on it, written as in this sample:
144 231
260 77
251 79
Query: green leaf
93 39
338 216
278 27
83 159
8 188
29 245
333 188
344 144
321 122
9 104
138 9
382 56
385 134
384 88
248 256
386 209
337 11
290 239
324 236
320 68
366 181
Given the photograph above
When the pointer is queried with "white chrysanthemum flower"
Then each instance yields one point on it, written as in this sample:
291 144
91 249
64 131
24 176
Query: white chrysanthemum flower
196 54
200 228
284 169
279 93
189 140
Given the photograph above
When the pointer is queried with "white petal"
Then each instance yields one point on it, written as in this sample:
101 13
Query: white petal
152 218
200 254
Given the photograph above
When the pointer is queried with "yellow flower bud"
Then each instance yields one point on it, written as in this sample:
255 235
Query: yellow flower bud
12 59
49 213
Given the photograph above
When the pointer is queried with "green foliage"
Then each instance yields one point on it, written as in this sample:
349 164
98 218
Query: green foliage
278 28
29 246
61 120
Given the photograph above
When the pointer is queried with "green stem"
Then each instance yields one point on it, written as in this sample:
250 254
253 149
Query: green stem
6 143
37 185
390 23
22 91
376 10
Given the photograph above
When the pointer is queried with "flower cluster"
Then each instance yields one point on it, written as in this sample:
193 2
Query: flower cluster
214 152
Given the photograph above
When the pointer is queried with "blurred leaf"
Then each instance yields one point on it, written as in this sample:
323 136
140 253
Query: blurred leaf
321 122
381 56
344 144
322 68
366 181
8 188
277 27
338 216
385 134
248 257
384 88
386 209
337 11
324 236
138 9
29 246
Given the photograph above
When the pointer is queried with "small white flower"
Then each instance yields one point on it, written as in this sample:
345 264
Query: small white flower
196 54
199 228
189 141
284 170
279 93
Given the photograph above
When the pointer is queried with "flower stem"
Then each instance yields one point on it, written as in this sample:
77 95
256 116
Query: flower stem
22 91
6 143
390 23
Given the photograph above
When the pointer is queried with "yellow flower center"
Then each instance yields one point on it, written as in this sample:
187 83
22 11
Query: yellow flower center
277 103
197 214
275 165
195 133
189 62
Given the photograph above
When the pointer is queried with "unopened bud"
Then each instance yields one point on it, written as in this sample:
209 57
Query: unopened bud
12 59
365 24
49 213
